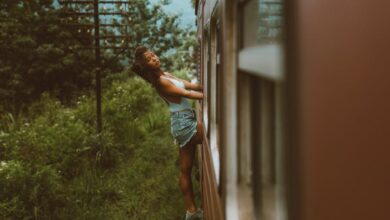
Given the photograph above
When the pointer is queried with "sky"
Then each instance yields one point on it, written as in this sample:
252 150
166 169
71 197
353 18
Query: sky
183 8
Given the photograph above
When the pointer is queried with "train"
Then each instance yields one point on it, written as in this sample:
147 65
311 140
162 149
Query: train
296 109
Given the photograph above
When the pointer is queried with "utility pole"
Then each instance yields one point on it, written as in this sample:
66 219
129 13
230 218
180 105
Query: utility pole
98 67
97 37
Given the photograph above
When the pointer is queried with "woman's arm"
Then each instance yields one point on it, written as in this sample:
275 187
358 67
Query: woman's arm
169 88
188 85
193 86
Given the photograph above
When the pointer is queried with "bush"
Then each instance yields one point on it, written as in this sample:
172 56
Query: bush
53 165
27 191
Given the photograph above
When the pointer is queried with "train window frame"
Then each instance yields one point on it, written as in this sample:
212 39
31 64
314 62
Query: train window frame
261 152
244 143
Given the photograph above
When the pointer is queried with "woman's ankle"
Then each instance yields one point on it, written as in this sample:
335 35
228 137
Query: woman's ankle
191 210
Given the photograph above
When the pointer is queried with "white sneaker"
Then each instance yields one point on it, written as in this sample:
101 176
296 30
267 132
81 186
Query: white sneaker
196 215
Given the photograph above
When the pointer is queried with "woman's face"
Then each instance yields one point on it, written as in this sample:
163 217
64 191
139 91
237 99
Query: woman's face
151 60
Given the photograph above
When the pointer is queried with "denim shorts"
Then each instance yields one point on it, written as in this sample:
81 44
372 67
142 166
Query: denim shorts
183 126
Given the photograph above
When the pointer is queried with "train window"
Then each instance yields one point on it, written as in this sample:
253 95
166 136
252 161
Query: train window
270 22
268 25
262 47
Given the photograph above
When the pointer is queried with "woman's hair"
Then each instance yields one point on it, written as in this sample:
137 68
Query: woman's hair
139 68
138 65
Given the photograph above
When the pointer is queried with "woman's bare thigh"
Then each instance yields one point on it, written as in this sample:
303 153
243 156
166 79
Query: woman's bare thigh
198 137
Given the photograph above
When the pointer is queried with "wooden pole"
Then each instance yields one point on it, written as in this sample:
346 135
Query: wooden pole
98 69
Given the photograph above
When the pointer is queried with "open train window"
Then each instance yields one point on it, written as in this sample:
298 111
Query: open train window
260 99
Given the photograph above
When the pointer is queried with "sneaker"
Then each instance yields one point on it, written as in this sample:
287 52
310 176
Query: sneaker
196 215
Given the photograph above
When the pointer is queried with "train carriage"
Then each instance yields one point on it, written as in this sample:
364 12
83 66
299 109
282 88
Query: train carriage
295 110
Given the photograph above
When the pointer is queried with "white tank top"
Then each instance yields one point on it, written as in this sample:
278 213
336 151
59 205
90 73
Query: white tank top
184 102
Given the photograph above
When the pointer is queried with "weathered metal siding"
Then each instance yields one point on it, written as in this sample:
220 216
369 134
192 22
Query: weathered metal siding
210 197
338 64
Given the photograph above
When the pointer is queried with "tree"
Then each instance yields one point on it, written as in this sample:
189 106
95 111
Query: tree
185 57
152 27
39 54
36 55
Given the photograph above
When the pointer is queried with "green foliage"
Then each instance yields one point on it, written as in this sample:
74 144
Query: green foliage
152 27
185 57
54 166
27 191
39 54
36 55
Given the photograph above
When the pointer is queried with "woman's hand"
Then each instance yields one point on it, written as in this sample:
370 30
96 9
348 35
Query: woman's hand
199 87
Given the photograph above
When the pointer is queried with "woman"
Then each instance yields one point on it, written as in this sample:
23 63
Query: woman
184 126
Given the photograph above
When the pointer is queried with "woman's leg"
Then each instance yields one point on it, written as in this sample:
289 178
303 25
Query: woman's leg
186 160
187 154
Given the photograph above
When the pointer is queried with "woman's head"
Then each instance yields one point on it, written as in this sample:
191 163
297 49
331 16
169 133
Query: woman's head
145 62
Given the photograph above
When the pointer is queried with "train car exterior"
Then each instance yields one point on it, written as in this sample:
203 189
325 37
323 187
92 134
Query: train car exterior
296 112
